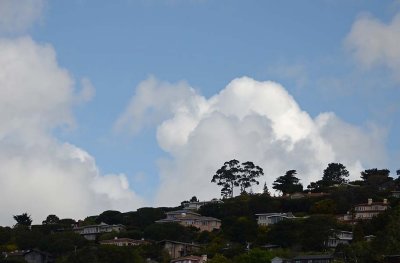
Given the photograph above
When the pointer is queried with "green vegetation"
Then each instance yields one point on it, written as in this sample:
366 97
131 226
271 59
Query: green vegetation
240 238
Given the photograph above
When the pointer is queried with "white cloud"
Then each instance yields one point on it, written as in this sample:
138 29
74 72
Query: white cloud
38 173
247 120
375 43
18 15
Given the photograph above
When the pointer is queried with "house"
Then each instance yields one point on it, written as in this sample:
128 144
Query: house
267 219
190 259
305 259
369 210
31 256
313 259
339 237
92 231
179 249
196 205
395 194
189 218
122 242
279 260
300 195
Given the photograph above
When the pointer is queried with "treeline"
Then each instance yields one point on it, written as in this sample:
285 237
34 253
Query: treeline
240 238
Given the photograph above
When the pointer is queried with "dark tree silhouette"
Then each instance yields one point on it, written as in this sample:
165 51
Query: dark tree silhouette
248 175
265 190
335 173
23 219
227 177
375 177
194 199
288 183
51 220
233 174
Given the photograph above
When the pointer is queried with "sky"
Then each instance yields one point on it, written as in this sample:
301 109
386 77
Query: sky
132 103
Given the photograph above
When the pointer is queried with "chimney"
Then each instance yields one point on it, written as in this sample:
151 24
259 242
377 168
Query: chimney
204 258
385 201
369 201
115 238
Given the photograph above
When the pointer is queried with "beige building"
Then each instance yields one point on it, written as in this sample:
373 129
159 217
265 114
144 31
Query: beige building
189 218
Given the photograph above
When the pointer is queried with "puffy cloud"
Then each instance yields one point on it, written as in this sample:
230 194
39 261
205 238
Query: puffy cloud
376 43
38 173
18 15
247 120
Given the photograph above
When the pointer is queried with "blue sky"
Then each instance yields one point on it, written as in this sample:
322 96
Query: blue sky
308 47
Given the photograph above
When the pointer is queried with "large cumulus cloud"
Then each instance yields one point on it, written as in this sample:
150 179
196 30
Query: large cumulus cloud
247 120
38 173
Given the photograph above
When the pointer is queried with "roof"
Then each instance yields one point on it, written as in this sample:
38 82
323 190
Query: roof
182 212
323 256
288 214
373 203
123 240
187 258
178 242
99 225
201 218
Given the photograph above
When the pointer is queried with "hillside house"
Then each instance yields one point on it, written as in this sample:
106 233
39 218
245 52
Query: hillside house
339 237
91 232
267 219
190 259
369 210
305 259
196 205
189 218
179 249
124 242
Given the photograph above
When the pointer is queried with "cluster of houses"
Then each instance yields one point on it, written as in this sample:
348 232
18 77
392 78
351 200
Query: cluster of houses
181 252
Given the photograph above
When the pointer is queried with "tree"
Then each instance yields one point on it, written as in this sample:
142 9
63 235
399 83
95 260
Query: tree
265 190
248 175
110 217
23 219
288 183
398 172
194 199
326 206
227 177
51 220
233 174
335 173
367 174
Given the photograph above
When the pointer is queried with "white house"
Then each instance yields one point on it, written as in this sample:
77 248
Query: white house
339 237
369 210
267 219
197 205
92 231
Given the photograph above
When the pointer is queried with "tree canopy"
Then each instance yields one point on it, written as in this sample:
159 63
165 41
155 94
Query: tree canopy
51 220
233 174
335 173
288 183
23 219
